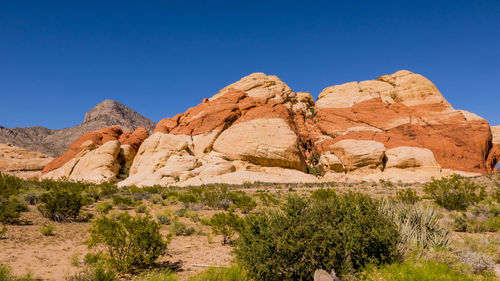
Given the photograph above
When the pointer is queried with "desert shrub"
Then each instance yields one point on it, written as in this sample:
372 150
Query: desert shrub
10 206
181 229
156 198
455 192
479 262
226 224
130 242
242 201
6 275
10 210
141 209
343 232
10 185
103 207
315 170
163 219
233 273
47 230
3 230
60 204
408 196
31 198
415 270
121 200
106 189
322 194
417 224
314 159
98 273
267 199
157 276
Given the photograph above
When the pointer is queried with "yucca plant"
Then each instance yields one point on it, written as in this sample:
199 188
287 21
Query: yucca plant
418 224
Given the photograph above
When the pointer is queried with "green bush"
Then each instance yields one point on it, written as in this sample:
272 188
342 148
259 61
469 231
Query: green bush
407 196
47 230
233 273
181 229
163 219
10 210
417 224
455 192
10 206
157 276
242 201
342 232
98 273
61 205
130 242
122 200
415 270
103 207
141 209
226 224
6 275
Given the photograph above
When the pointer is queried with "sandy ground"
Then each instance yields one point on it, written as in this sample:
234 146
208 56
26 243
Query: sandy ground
27 251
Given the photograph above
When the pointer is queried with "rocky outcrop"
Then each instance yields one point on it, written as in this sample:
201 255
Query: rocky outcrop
398 127
97 156
22 162
403 109
55 142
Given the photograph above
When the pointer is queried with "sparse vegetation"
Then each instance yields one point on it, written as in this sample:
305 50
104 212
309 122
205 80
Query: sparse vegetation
131 242
455 192
61 205
47 230
226 224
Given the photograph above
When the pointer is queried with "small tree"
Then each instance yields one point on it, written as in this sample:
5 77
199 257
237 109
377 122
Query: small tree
455 192
61 205
130 242
226 224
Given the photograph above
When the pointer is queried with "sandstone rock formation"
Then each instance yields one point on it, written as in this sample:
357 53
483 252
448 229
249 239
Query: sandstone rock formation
22 162
55 142
97 156
398 127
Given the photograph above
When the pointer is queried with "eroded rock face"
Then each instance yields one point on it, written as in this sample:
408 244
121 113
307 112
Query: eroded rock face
266 142
97 156
22 162
403 109
398 127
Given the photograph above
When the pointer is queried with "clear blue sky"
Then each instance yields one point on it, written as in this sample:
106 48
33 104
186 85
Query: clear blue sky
60 58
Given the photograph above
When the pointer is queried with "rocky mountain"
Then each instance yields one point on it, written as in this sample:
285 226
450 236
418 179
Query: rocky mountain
56 142
397 127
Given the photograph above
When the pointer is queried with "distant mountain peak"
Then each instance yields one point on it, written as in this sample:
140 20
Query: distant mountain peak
108 108
54 142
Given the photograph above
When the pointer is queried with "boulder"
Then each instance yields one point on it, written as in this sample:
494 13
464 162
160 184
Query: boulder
266 142
321 275
355 154
410 157
331 162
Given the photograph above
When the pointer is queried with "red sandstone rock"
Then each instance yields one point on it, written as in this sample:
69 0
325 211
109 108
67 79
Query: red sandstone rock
95 138
135 138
